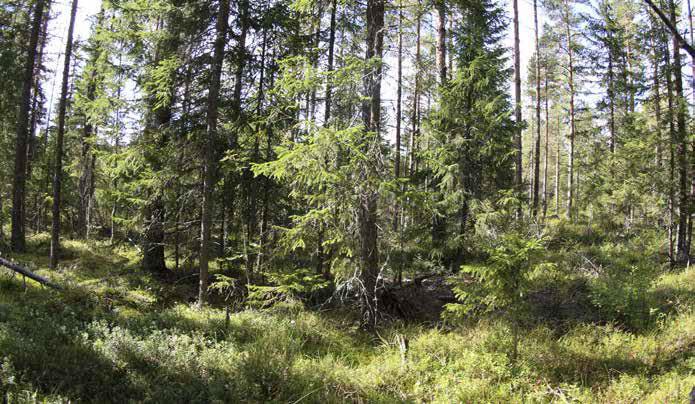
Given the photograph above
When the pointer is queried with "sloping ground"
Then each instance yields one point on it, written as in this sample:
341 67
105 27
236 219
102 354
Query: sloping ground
119 336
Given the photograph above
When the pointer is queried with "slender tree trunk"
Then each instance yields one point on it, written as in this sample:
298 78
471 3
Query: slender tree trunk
545 147
86 163
18 237
58 169
35 111
249 181
367 212
517 96
611 97
672 156
397 152
416 97
570 179
557 167
657 102
399 98
438 220
537 160
692 41
209 159
231 179
320 251
681 147
441 40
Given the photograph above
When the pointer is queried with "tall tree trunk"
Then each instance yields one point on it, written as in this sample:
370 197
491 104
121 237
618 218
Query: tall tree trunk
657 99
399 97
441 40
692 41
248 179
320 251
58 168
557 167
230 179
367 212
681 146
416 97
570 179
611 93
35 110
18 237
537 160
545 147
517 96
672 155
157 131
438 220
86 162
209 158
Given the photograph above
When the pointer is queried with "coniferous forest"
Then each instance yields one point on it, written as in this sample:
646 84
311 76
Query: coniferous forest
347 201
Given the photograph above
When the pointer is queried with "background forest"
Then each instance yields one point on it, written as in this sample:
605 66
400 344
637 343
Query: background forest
341 201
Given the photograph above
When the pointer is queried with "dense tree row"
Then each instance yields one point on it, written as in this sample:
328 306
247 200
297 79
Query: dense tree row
257 139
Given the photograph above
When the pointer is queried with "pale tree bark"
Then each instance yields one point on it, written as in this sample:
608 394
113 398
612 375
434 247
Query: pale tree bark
537 160
58 168
570 56
545 146
517 96
209 159
18 237
558 140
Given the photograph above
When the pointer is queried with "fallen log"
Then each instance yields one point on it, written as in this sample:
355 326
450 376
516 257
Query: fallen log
21 270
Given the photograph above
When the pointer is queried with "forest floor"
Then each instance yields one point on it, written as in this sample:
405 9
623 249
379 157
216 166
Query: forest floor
119 335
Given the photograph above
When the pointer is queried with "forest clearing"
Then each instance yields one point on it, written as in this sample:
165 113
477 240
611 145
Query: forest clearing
328 201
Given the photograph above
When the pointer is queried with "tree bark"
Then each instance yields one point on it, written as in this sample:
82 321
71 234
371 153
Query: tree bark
682 254
570 179
440 5
517 97
412 169
537 160
18 237
209 159
320 251
545 147
58 169
156 131
672 155
557 167
367 211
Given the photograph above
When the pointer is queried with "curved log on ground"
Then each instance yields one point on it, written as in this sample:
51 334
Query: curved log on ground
21 270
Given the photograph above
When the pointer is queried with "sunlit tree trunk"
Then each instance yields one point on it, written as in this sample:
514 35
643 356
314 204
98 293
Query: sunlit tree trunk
570 164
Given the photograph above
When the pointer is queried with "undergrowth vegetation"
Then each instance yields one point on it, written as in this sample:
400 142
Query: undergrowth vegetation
605 323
